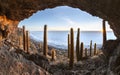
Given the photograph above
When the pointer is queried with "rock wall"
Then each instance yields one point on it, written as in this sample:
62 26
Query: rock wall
7 26
17 10
111 51
12 63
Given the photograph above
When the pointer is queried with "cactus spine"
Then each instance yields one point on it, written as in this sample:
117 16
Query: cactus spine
71 63
104 32
27 41
95 49
81 50
53 54
24 36
68 46
85 52
78 44
91 48
45 47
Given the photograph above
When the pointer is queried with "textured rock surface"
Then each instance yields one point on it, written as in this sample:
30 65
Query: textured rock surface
111 50
110 47
17 10
7 26
12 63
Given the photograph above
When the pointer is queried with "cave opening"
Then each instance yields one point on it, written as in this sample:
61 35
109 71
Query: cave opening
62 18
26 56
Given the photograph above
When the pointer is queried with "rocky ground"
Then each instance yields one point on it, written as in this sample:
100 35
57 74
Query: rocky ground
15 61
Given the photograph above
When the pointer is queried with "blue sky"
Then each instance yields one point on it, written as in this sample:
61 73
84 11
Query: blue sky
63 18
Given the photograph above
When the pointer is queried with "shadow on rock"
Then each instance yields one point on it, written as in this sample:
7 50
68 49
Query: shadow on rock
38 59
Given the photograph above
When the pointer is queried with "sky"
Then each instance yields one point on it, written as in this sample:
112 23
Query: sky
62 18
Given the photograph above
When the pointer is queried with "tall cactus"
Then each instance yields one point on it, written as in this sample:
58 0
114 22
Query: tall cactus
91 48
71 62
95 49
78 44
0 39
20 41
81 51
40 45
27 41
68 46
104 32
45 47
85 52
24 36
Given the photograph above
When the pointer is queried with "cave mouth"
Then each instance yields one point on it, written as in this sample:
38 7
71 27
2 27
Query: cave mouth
20 10
62 18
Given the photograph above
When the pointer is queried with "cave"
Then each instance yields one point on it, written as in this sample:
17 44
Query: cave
14 11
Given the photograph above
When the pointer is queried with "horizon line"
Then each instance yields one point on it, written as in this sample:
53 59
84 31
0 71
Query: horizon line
75 30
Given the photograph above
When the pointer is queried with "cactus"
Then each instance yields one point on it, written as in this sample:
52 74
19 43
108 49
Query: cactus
27 41
81 50
45 47
71 62
24 35
40 45
95 49
68 46
85 52
20 41
0 39
91 48
53 54
77 45
104 32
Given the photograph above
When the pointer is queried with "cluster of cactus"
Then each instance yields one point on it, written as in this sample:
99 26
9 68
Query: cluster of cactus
71 62
95 50
25 40
77 45
45 47
104 32
80 50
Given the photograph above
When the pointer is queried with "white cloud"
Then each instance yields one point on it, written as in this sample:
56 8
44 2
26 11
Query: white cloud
86 26
69 21
75 24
